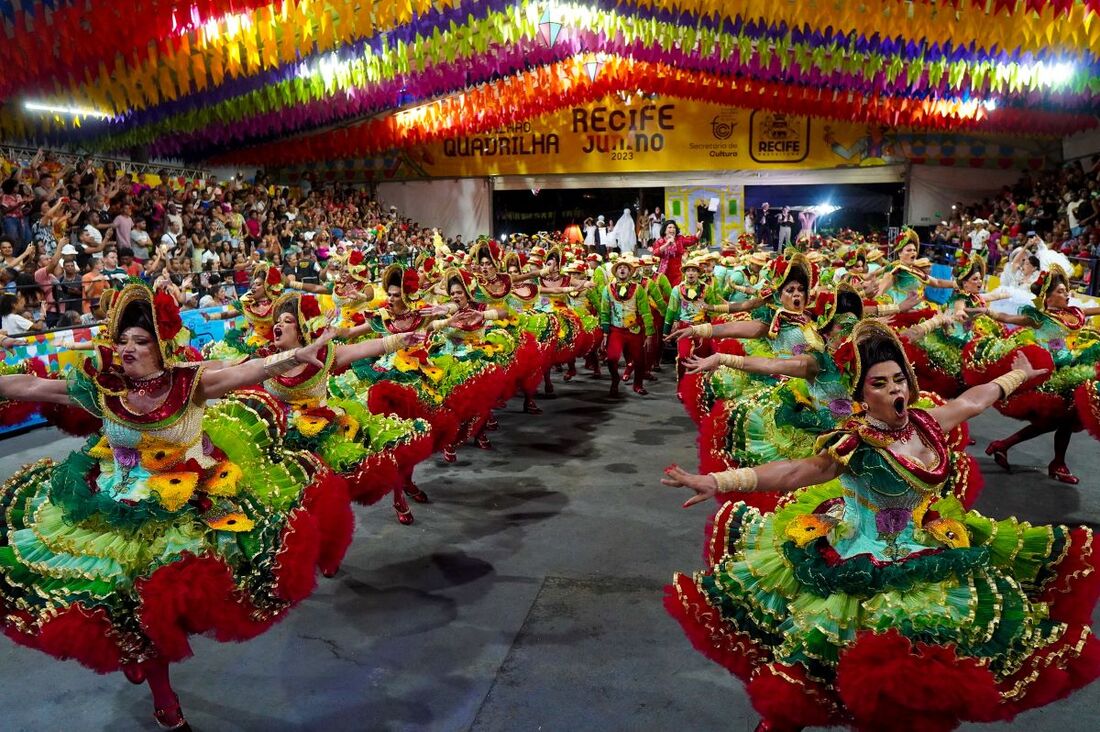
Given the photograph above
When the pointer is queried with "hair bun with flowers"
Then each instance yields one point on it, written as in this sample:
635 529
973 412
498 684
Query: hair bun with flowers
273 281
907 236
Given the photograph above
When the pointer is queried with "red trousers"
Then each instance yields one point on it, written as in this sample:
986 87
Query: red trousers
620 341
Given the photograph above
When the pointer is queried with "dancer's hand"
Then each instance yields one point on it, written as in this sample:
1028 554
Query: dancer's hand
308 354
911 301
1023 364
705 486
697 365
414 338
679 333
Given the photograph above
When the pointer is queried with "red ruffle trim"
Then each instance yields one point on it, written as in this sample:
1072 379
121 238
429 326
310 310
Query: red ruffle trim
76 633
690 389
1072 594
1087 400
737 652
975 373
787 698
1061 668
194 595
929 377
888 682
327 500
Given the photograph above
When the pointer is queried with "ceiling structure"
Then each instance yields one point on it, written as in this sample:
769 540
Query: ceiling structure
267 83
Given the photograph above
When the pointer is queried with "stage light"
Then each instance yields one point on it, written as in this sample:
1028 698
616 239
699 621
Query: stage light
61 109
990 105
824 209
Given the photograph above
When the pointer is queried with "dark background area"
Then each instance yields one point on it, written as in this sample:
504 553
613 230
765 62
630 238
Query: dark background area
524 212
863 207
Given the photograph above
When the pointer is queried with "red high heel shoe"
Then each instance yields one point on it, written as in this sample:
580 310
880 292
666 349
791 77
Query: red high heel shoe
641 390
1061 473
171 717
414 492
570 374
491 424
483 442
530 407
999 453
449 455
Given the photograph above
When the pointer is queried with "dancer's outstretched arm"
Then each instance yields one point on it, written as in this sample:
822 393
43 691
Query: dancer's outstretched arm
782 476
977 399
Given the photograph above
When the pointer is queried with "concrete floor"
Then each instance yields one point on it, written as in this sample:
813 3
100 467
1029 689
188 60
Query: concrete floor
526 597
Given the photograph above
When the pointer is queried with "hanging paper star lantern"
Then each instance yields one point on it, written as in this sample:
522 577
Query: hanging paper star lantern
592 68
549 29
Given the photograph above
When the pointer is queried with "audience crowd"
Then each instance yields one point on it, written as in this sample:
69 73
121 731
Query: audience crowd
1058 208
70 231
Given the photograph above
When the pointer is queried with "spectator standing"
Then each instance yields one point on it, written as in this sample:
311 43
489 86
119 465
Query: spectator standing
115 274
123 225
14 212
785 222
94 284
140 241
70 288
46 280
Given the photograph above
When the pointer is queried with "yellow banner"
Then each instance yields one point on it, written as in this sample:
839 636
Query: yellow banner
614 136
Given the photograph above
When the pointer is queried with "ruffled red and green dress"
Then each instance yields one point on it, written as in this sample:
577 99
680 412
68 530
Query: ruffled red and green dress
186 520
870 601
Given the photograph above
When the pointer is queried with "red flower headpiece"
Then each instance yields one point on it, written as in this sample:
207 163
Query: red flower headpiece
355 258
410 282
429 264
310 307
167 313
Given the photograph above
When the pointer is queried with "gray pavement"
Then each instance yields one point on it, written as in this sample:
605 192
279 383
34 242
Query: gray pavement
526 597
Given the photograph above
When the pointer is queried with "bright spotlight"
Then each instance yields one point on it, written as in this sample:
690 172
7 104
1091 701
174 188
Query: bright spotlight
1054 74
60 109
824 209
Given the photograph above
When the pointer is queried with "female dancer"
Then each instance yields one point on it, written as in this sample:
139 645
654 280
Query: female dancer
494 290
865 581
1068 399
670 249
785 420
779 327
376 453
935 345
464 344
256 307
902 277
181 519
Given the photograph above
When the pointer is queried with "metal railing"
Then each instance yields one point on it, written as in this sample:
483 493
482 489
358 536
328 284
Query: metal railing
22 154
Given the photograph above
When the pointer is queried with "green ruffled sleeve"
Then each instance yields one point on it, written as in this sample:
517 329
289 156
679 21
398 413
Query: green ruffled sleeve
82 390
